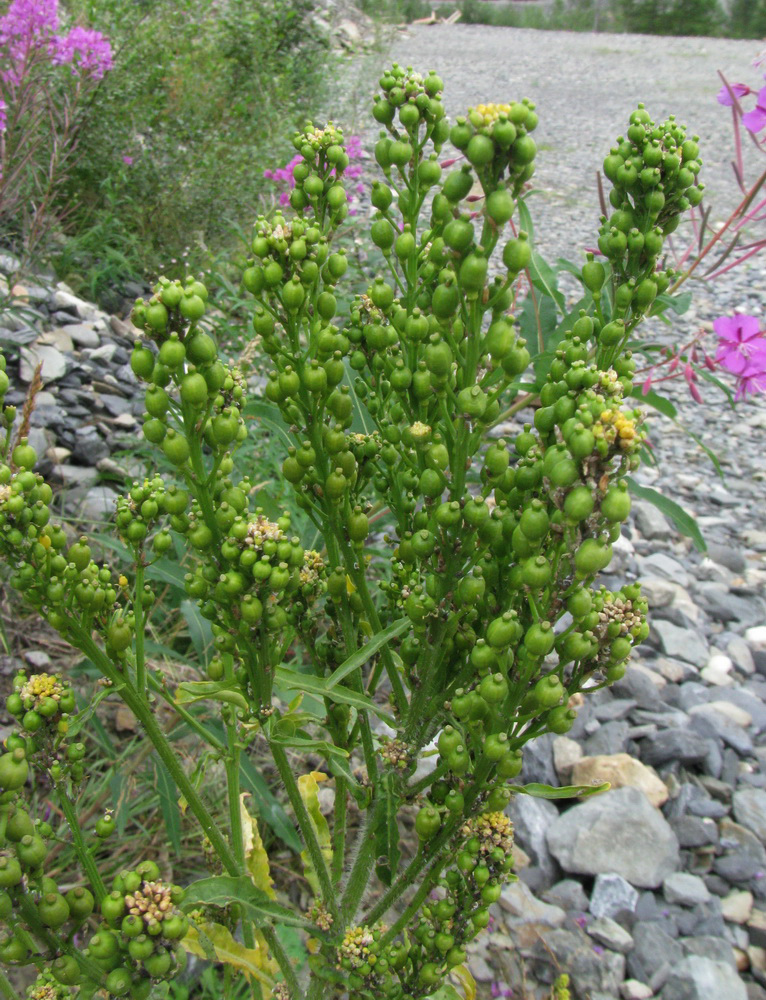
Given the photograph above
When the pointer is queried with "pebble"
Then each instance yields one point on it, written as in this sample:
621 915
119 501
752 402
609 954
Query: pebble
685 889
737 906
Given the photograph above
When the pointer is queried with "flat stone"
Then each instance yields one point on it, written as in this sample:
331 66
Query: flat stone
609 933
700 978
681 643
739 651
750 810
709 947
660 564
518 901
568 893
726 708
685 889
651 522
694 831
74 475
63 300
612 895
621 770
682 745
653 949
593 974
566 753
57 337
99 503
55 364
632 989
532 818
737 906
619 831
708 721
659 592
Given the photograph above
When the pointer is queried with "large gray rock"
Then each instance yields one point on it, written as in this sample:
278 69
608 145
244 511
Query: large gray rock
654 950
532 818
619 831
750 810
592 974
700 978
682 745
54 363
682 643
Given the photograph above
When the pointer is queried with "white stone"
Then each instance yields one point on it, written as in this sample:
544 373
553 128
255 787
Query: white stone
756 635
632 989
54 363
732 712
566 754
517 899
737 906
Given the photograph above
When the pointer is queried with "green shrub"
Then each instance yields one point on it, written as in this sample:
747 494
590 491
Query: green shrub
670 17
747 19
190 109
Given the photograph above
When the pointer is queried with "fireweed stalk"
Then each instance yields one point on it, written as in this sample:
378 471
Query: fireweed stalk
45 76
474 620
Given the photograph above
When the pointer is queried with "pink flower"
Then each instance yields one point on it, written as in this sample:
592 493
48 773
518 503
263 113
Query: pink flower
738 89
86 49
3 116
755 120
27 25
740 341
128 160
750 383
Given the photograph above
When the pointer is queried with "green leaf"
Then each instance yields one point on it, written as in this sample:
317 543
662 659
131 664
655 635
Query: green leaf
267 414
341 768
543 277
685 523
171 814
221 890
679 304
362 655
167 572
525 219
321 747
226 691
660 403
540 791
200 632
295 681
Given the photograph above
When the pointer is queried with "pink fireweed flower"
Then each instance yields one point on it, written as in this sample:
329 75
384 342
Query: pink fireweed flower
738 89
27 25
3 116
755 120
740 342
127 160
87 50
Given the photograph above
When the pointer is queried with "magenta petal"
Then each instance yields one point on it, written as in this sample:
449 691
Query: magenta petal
755 120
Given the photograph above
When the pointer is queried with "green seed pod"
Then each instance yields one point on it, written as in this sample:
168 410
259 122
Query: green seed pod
517 253
427 823
53 910
14 770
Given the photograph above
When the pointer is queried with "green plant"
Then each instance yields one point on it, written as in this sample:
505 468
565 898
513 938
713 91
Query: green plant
455 596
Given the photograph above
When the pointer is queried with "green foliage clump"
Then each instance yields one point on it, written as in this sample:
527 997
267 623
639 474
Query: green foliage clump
176 129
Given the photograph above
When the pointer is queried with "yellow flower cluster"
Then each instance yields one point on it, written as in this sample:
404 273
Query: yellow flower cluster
493 829
262 530
484 115
313 564
41 686
619 428
355 947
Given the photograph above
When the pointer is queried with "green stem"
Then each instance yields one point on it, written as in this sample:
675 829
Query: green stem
138 611
5 987
160 743
306 828
81 848
339 828
283 960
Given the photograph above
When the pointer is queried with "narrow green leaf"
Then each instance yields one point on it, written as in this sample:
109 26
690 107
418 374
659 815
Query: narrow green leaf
540 791
362 655
167 572
226 691
340 767
221 890
295 681
171 814
685 523
525 219
543 277
267 414
323 747
660 403
678 304
200 632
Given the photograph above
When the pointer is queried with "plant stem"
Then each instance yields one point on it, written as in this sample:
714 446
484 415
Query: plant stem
81 848
138 611
283 961
158 739
6 989
306 828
